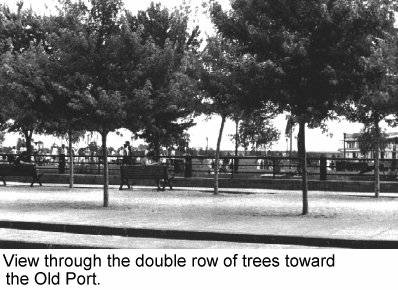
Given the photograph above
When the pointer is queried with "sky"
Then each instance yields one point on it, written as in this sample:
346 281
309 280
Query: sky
206 129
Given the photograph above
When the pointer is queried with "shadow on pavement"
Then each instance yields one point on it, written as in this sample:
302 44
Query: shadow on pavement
200 236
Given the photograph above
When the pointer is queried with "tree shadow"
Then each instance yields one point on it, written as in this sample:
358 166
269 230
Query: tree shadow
43 206
223 191
372 197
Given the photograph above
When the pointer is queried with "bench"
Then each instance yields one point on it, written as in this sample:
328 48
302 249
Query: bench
158 172
20 170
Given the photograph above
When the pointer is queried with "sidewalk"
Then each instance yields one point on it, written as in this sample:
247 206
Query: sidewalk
333 215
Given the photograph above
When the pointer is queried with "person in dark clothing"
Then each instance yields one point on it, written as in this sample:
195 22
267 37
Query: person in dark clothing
62 160
225 163
332 164
10 158
127 154
23 158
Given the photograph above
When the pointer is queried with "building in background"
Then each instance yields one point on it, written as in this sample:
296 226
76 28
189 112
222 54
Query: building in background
351 147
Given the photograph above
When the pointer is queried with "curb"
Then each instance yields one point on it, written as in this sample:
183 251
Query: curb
197 236
9 244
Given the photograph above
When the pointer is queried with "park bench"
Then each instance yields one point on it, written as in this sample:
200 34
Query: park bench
20 170
157 172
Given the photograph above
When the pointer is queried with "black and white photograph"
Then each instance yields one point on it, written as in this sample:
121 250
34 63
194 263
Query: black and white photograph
215 124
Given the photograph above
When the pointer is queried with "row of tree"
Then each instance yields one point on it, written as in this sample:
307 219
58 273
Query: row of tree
315 59
94 66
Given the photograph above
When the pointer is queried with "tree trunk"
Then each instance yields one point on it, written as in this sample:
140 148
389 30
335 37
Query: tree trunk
377 161
28 141
106 173
71 163
235 161
291 143
217 163
303 163
236 137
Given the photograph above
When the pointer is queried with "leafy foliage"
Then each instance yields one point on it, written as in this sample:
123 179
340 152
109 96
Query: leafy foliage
93 53
257 133
313 50
168 95
19 29
219 78
377 96
372 139
87 56
22 83
25 83
2 137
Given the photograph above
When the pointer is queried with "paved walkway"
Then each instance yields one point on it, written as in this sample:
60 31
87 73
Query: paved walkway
267 212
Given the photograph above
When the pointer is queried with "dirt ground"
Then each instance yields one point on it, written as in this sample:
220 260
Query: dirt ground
273 212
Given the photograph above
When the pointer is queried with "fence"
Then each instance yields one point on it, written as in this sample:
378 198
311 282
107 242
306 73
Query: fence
321 168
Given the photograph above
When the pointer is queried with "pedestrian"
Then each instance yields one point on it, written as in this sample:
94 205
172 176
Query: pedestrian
11 157
127 154
62 159
332 165
224 163
145 160
23 158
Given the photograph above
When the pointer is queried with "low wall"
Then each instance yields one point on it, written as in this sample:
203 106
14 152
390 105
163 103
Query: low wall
258 183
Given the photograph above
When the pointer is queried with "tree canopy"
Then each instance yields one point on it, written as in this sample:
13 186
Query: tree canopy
313 49
23 85
257 132
170 94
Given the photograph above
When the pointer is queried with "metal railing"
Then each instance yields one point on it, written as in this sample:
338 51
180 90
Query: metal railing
319 168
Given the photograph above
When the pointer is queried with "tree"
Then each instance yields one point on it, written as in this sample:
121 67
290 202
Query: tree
313 51
169 95
61 116
219 82
377 100
100 55
370 140
21 48
256 131
25 84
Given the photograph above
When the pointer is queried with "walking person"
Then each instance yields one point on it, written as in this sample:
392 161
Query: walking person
127 154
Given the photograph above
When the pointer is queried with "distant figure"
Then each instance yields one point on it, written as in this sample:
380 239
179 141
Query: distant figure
211 165
224 163
87 154
23 158
332 165
11 158
236 163
62 160
127 153
145 160
260 164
